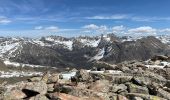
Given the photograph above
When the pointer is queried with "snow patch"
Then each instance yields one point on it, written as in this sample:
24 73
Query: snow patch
99 55
164 39
15 64
154 66
8 63
68 75
9 74
109 71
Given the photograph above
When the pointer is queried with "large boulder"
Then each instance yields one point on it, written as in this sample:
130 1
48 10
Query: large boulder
100 86
82 75
141 80
39 87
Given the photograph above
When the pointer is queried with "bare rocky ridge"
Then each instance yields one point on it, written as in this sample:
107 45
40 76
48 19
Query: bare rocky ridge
130 80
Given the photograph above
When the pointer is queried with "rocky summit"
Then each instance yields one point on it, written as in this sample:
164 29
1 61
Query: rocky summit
129 80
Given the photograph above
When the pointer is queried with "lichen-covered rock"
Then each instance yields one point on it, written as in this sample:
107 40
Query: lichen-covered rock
53 78
118 88
13 94
50 87
132 88
121 79
82 75
35 79
100 86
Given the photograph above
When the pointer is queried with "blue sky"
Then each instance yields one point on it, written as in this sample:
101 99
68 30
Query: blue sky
34 18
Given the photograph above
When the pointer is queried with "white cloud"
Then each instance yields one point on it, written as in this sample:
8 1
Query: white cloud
52 28
38 28
144 30
91 26
129 17
49 28
149 19
4 20
118 28
103 29
95 28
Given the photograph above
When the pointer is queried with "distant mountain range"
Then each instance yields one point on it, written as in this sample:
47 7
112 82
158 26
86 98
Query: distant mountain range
57 51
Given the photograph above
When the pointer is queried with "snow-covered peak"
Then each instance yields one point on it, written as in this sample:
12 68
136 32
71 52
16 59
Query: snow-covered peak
61 41
164 39
89 42
107 38
129 38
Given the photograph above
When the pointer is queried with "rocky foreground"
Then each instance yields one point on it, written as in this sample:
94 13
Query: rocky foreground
133 80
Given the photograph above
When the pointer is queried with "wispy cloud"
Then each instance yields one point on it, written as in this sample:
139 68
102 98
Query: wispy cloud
52 28
129 17
38 27
4 20
150 19
114 17
48 28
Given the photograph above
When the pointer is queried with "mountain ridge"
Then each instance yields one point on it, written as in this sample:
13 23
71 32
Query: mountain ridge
57 51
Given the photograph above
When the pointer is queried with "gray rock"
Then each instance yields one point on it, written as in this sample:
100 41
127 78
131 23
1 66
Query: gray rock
132 88
13 94
39 97
34 79
145 96
121 79
141 80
